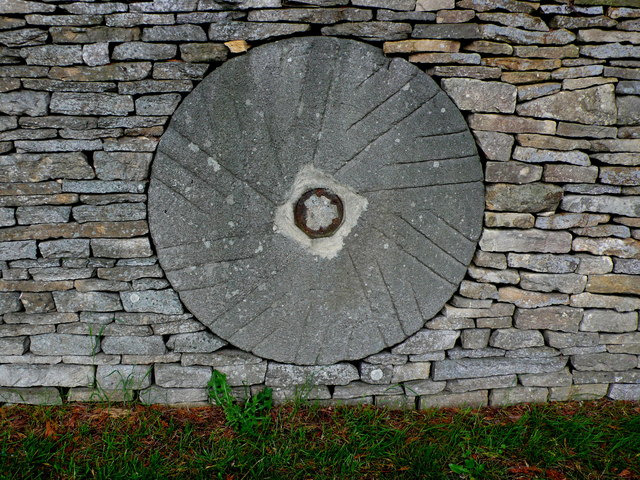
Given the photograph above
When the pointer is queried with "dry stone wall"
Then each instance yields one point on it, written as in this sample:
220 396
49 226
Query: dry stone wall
549 306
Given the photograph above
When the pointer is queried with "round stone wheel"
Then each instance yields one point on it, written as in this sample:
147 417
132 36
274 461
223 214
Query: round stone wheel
316 113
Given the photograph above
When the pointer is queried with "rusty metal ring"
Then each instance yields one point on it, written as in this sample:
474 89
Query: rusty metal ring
300 213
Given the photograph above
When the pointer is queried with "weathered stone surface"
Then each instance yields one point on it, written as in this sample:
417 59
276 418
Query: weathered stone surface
525 241
627 392
564 319
413 46
513 172
556 379
22 167
528 92
174 396
53 55
57 145
7 217
24 102
31 396
127 345
203 52
523 37
113 71
496 146
630 266
286 375
617 145
551 282
434 58
23 37
476 398
615 283
480 73
628 109
562 221
604 362
482 46
620 175
447 31
526 299
471 384
260 31
411 371
427 341
509 220
109 213
174 33
515 395
86 301
61 344
478 367
544 263
34 215
121 248
122 165
570 174
157 104
91 103
176 376
14 345
511 124
143 51
494 276
528 22
156 301
196 342
46 375
618 303
513 338
609 321
536 197
479 96
9 302
629 206
589 106
625 248
17 250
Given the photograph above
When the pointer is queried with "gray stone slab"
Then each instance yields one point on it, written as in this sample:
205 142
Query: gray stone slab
378 130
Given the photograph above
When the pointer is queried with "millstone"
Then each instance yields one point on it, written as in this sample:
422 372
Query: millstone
330 280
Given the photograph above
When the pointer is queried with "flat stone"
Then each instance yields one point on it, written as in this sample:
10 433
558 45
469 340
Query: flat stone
629 206
523 37
545 263
620 175
556 379
34 215
479 96
112 71
528 92
615 283
545 142
24 103
434 58
14 345
53 55
427 341
523 20
510 124
526 299
513 172
509 220
222 32
91 103
615 302
570 174
478 367
609 321
519 394
604 362
495 145
86 301
525 241
521 64
413 46
179 70
369 30
23 37
203 52
177 376
562 221
61 344
628 106
627 265
625 248
523 198
46 375
551 282
568 51
394 16
472 399
512 338
31 396
174 33
156 301
509 5
196 342
37 302
143 51
589 106
130 273
628 392
17 250
482 46
481 73
617 145
558 318
577 393
454 31
286 375
121 248
494 276
174 396
157 104
127 345
411 371
122 165
109 213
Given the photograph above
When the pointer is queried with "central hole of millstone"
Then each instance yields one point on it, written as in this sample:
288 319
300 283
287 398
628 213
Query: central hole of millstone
318 213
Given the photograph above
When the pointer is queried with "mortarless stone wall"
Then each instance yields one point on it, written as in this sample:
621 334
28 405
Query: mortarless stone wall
549 307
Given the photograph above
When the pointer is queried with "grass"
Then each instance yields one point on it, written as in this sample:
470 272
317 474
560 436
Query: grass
579 440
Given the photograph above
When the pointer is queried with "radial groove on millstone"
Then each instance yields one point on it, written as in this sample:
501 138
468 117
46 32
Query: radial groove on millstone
338 113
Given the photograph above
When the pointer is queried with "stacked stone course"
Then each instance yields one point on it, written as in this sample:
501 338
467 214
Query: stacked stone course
548 310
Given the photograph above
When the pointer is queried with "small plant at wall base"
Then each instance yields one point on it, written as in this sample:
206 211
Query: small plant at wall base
242 417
